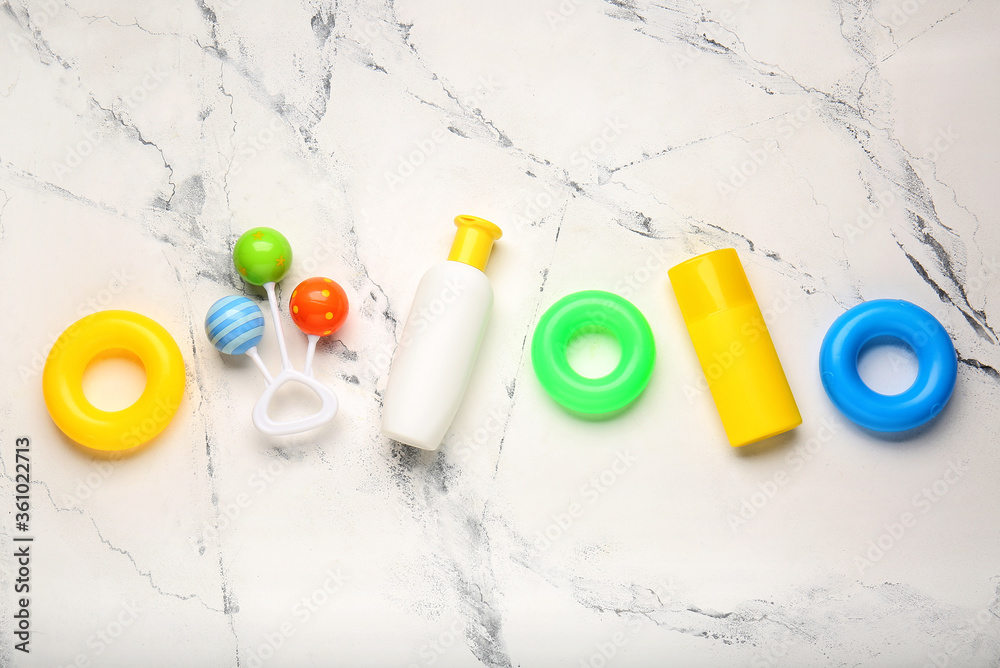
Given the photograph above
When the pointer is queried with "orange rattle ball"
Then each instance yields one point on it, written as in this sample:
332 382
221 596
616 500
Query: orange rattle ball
318 306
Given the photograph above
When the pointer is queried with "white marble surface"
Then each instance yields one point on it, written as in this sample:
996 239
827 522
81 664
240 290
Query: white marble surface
847 150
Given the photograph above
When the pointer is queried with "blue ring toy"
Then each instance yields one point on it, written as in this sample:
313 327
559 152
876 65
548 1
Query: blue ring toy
938 365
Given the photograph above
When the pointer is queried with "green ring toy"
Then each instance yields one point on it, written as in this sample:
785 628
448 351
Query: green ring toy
593 311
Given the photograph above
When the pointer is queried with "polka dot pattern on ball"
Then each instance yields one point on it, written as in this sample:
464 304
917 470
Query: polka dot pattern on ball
319 306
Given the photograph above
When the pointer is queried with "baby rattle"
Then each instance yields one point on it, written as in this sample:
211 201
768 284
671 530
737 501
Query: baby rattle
235 325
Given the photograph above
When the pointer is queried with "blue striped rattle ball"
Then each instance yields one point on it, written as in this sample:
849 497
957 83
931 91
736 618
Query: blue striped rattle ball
234 325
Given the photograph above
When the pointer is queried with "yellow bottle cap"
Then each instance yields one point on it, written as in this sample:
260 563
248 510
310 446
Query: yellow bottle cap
473 241
710 283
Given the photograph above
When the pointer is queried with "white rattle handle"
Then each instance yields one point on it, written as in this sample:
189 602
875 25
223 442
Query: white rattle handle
327 410
276 318
310 352
252 354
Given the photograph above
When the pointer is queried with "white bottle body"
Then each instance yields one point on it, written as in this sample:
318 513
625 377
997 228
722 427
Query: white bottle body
436 354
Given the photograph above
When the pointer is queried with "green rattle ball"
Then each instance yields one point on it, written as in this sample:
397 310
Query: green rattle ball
262 255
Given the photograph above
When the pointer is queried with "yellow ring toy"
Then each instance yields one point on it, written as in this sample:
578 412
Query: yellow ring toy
97 335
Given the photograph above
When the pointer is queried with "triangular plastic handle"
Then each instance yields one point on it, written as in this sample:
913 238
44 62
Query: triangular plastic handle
326 411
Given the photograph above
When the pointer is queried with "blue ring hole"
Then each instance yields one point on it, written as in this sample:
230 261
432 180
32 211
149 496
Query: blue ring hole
888 365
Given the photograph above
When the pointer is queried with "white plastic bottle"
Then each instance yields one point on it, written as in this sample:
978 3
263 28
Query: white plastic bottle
440 340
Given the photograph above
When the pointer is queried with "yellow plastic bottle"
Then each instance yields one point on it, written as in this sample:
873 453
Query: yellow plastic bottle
734 347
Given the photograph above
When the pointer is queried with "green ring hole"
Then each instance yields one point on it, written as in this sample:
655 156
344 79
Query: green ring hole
593 351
